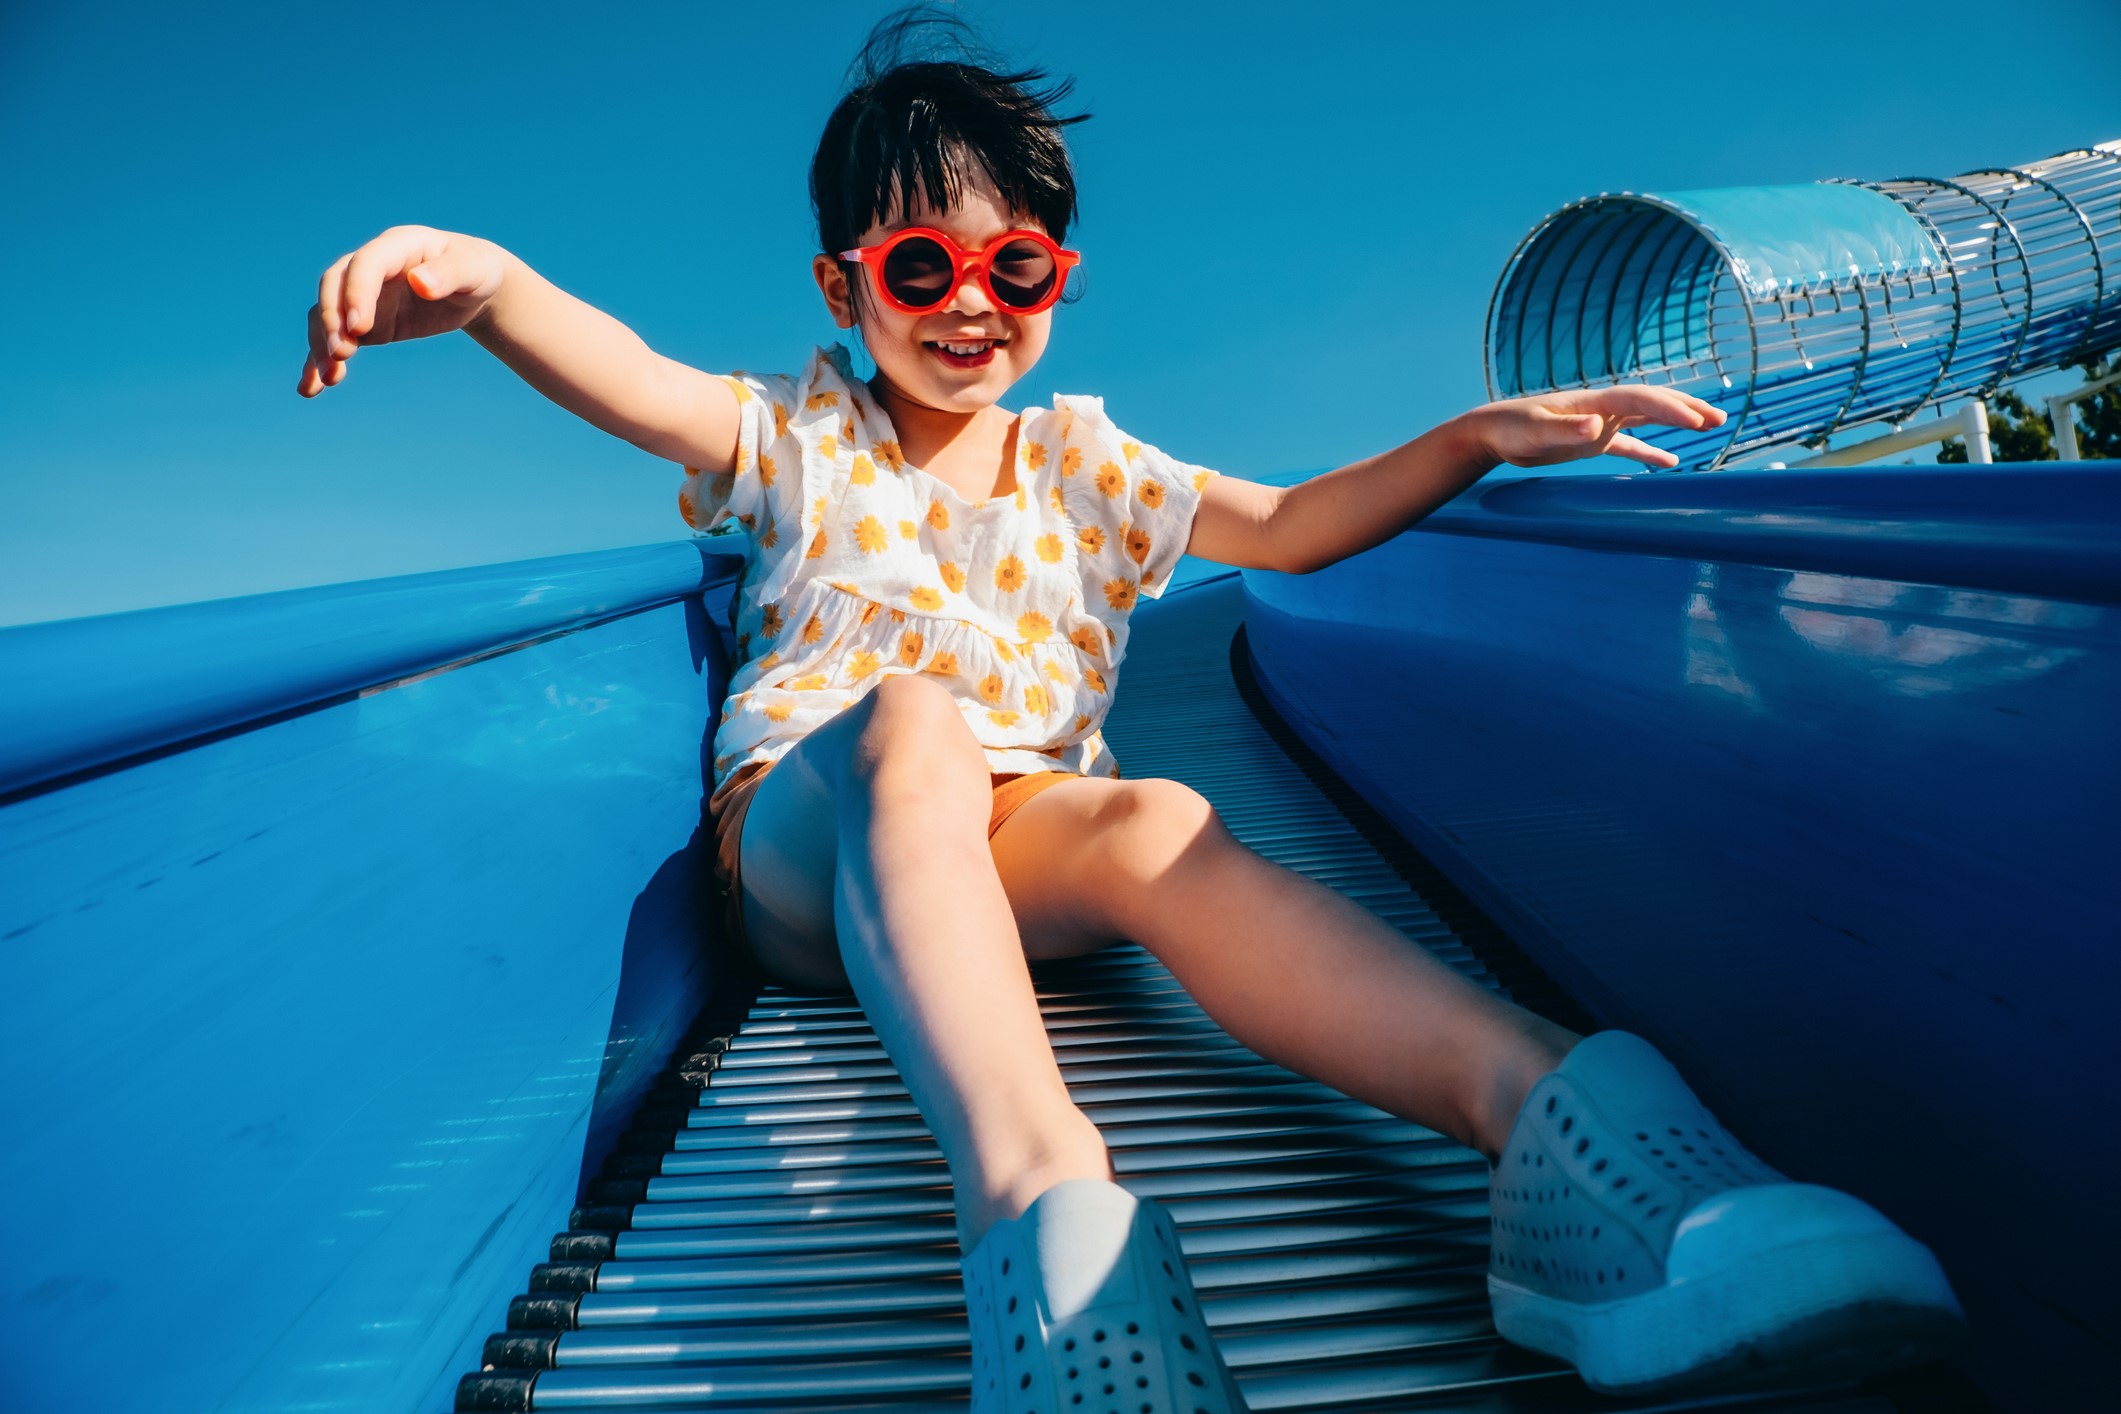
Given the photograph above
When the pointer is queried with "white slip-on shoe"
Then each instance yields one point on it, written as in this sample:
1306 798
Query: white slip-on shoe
1636 1239
1083 1304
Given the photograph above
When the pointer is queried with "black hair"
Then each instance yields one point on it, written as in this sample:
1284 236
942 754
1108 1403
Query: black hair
910 122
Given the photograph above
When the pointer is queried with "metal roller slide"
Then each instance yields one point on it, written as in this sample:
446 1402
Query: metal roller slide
775 1231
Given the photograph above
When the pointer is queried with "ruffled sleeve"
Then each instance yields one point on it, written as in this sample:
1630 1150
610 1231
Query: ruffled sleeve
1163 495
757 495
1134 504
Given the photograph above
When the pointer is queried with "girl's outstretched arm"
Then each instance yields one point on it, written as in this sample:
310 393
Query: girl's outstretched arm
414 281
1311 525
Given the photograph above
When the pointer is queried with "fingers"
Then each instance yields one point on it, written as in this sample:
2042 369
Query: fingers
384 258
320 370
325 326
1635 449
1643 403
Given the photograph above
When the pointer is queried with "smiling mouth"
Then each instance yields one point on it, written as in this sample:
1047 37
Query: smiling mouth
965 353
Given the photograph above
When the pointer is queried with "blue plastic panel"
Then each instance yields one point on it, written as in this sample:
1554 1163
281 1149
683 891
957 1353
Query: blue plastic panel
1813 791
82 692
304 1028
1817 233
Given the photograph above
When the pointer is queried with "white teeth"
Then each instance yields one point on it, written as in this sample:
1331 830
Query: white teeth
966 350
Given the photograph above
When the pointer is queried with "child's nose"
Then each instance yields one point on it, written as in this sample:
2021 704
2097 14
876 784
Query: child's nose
969 298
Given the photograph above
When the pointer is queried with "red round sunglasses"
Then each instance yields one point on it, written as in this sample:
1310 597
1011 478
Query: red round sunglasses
917 270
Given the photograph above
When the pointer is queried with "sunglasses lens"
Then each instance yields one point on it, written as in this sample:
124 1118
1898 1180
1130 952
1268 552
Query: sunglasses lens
1022 274
918 272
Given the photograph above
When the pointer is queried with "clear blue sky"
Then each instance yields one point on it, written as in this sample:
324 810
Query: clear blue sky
177 176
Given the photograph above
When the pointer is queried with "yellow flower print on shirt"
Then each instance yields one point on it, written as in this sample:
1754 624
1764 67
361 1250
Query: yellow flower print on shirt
1060 506
1035 700
826 399
1151 492
808 682
1071 461
1050 549
828 447
1085 638
1009 574
1034 627
1091 538
1130 450
1138 545
1093 679
1020 502
1036 456
864 472
953 576
770 621
771 538
1200 479
780 712
1119 593
767 470
817 546
869 610
862 663
938 515
1055 671
814 629
907 530
685 506
1002 719
990 687
889 454
909 650
1082 721
780 422
771 661
923 597
736 386
943 662
870 534
1111 480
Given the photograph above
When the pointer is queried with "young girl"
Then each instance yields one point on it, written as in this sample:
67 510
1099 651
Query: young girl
913 796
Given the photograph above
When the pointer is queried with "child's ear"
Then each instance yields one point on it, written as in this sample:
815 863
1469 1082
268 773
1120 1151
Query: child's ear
831 277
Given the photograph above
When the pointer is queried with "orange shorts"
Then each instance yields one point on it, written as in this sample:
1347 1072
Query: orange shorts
725 812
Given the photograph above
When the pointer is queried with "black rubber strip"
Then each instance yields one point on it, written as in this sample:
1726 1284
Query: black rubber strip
487 1391
543 1313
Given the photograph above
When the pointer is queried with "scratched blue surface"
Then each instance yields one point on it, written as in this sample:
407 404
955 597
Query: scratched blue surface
1842 843
304 1028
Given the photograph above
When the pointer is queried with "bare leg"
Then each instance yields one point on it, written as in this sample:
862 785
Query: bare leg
1295 971
884 811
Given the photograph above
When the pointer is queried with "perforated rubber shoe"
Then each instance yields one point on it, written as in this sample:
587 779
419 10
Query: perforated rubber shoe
1083 1305
1637 1240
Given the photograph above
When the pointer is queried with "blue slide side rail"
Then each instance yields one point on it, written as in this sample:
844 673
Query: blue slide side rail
1809 778
337 929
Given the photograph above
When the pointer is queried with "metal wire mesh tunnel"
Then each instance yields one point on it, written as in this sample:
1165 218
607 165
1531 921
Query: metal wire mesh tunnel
1802 310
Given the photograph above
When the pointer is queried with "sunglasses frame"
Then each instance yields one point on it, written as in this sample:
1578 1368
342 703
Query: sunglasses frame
977 263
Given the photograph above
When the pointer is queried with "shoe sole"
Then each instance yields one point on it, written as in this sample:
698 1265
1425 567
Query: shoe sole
1810 1313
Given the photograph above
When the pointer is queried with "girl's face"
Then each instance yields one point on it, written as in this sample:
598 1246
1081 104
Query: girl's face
910 349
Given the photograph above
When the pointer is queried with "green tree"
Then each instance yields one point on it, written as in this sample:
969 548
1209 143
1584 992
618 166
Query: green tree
2017 433
2099 416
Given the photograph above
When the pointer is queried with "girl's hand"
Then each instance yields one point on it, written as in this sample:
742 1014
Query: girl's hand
408 283
1586 422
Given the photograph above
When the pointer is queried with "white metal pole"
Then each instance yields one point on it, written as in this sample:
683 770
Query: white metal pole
1974 417
2065 425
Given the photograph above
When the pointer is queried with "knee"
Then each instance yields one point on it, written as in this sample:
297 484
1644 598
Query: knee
913 722
1150 827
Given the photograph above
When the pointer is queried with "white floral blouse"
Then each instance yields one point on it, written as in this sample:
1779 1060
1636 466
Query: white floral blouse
861 566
